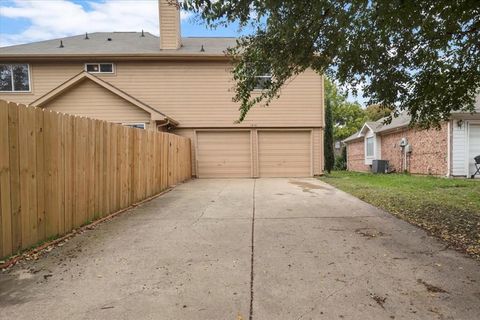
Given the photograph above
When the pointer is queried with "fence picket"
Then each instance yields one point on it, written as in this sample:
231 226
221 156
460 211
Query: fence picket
58 171
5 192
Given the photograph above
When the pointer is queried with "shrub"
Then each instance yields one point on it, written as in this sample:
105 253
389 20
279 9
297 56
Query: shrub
341 160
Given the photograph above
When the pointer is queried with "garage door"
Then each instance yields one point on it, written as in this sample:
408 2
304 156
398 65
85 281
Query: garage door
284 154
473 147
224 154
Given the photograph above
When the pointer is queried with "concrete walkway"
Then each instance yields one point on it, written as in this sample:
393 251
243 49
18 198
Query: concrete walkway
318 253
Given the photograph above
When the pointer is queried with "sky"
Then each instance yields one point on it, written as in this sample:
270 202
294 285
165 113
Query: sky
24 21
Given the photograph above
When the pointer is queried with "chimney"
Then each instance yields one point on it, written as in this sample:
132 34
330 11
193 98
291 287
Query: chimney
169 14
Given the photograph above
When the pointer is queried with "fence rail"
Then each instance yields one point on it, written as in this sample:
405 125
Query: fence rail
58 171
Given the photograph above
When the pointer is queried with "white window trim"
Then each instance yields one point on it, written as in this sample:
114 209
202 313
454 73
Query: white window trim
371 138
265 76
114 68
130 124
29 78
368 159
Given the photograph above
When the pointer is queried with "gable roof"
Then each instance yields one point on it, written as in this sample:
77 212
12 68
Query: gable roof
155 114
369 125
402 120
120 44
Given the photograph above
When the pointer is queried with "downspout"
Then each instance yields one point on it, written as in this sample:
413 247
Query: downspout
449 148
164 124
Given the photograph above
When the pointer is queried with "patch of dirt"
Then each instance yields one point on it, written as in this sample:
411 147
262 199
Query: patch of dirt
431 288
379 300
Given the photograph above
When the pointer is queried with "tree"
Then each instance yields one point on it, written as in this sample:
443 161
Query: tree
328 138
421 56
348 117
376 112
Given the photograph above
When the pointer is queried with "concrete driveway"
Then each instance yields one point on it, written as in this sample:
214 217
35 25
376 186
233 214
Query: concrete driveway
317 253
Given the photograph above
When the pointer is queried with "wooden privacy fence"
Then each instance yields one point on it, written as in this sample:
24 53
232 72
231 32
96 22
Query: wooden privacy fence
58 171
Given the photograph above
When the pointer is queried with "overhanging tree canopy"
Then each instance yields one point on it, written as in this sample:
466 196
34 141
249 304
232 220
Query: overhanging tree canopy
419 56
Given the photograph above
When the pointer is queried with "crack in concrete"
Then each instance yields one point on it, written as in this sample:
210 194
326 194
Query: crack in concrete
210 204
252 256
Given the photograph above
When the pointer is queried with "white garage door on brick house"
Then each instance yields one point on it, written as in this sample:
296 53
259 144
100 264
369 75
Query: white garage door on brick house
465 146
473 147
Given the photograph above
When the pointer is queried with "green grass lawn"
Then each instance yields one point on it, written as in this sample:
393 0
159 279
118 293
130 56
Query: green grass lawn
446 208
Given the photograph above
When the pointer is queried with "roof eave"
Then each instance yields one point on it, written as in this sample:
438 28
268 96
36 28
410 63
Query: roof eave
352 139
394 129
137 56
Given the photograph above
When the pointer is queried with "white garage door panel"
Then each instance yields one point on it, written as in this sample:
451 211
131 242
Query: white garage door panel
473 147
223 154
284 154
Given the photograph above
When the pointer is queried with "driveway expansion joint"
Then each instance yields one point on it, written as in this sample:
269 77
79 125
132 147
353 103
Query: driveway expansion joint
252 256
326 217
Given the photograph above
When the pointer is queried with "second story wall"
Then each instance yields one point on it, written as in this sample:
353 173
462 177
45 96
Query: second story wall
196 94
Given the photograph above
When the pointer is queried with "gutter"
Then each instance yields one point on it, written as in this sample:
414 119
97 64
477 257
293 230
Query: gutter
117 57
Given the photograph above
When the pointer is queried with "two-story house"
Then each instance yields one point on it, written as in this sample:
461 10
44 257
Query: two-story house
175 84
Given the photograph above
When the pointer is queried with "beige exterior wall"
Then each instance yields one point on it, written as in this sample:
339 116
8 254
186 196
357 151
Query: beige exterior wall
316 146
91 100
170 37
317 151
196 94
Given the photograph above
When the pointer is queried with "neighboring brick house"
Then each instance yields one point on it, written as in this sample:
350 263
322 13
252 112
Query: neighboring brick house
447 151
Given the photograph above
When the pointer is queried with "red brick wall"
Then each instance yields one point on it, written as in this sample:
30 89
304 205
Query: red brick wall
356 156
429 155
429 150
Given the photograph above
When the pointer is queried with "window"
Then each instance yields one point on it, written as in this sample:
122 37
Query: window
14 78
99 67
369 147
135 125
263 81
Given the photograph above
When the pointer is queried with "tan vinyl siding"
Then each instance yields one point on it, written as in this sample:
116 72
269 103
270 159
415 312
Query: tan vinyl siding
284 153
91 100
224 154
196 94
254 139
169 26
317 151
43 78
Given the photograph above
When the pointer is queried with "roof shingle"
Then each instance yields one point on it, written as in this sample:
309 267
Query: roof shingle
120 43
